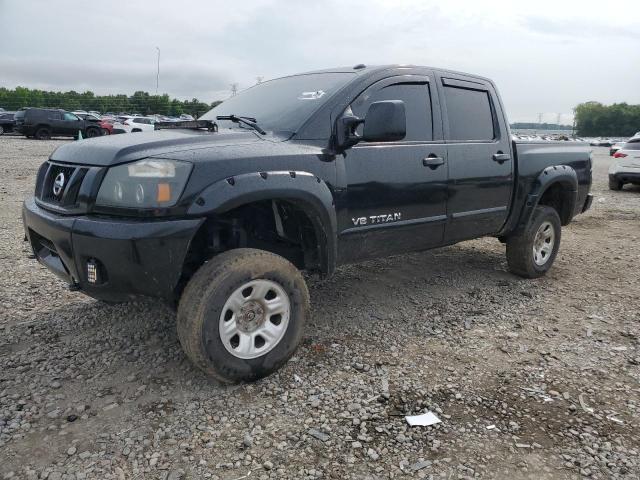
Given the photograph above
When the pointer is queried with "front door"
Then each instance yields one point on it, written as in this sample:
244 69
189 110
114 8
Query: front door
71 124
479 156
396 191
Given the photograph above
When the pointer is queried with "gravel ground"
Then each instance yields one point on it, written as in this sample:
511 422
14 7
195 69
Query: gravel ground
532 379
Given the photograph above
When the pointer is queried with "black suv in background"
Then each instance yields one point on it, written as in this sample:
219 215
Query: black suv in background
7 122
43 123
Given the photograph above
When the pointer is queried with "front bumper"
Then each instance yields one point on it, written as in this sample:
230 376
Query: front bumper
133 257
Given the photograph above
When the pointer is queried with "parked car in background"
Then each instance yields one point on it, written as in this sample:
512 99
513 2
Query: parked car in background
88 116
7 122
119 125
627 167
134 125
106 124
601 142
43 123
615 147
141 124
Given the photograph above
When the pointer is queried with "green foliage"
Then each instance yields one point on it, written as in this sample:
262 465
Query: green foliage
139 102
617 120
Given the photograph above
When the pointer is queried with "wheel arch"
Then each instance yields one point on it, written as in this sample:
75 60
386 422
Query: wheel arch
302 190
557 187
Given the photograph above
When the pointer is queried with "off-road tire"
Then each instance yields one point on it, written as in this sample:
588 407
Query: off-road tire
615 184
520 247
204 297
43 133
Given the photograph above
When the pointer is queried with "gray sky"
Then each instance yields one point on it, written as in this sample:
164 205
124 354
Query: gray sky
546 56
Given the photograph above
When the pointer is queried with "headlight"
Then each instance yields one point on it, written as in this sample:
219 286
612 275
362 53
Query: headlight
148 183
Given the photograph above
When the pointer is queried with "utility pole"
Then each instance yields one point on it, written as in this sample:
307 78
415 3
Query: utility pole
158 72
234 89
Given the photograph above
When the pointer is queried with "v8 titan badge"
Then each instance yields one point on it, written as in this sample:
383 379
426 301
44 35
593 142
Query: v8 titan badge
375 219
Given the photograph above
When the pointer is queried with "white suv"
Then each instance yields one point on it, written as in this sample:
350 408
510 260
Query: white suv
140 124
626 169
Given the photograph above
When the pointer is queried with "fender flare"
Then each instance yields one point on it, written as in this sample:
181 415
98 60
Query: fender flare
553 175
303 188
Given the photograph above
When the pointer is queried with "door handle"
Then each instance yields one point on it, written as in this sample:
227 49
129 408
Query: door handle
432 162
501 157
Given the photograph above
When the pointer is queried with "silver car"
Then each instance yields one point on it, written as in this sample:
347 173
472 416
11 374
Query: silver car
626 168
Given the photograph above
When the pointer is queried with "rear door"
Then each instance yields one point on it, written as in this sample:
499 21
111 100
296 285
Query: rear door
479 158
55 120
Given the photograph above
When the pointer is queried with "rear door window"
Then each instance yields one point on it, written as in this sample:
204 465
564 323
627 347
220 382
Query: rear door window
469 112
55 116
417 104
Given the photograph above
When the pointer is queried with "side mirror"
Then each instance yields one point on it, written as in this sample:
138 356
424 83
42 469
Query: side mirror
386 121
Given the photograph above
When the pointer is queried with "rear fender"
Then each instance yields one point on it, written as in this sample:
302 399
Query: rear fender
562 175
302 188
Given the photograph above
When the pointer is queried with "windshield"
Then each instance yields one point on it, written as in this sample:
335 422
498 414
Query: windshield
280 105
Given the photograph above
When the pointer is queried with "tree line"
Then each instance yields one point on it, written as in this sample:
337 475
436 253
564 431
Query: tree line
140 102
593 119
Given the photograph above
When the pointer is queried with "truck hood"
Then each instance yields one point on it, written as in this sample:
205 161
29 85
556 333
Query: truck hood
115 149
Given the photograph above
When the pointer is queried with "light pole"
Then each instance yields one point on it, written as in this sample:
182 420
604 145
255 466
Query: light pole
158 72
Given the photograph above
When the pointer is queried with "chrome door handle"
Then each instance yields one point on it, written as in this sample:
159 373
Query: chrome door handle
501 157
433 162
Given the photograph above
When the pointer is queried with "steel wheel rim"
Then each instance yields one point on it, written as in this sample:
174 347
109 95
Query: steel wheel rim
543 243
254 319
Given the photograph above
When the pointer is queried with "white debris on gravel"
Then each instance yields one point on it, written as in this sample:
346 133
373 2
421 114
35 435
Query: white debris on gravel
447 331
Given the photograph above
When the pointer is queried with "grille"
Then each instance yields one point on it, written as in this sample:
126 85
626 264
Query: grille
65 195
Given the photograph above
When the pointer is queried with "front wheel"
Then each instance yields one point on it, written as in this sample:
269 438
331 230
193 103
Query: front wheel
93 132
531 254
242 315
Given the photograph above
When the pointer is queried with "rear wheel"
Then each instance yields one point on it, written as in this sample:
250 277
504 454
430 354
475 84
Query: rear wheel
93 132
242 314
532 253
615 184
43 133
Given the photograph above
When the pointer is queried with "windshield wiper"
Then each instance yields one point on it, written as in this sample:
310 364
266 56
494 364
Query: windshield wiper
246 120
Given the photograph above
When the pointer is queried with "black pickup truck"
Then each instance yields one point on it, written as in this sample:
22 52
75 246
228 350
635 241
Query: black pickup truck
306 172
